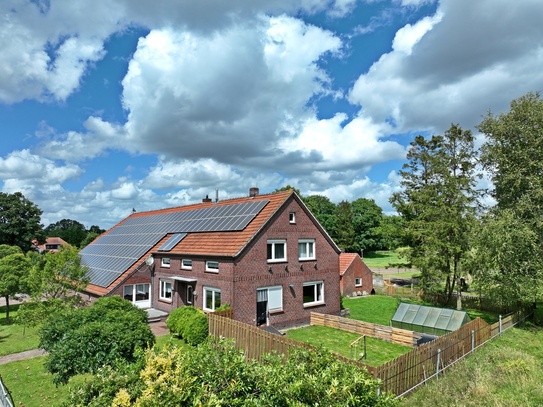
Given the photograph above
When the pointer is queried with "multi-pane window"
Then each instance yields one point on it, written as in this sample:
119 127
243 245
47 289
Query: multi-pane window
212 266
306 249
212 298
165 262
277 250
165 290
136 292
186 264
358 282
313 293
273 296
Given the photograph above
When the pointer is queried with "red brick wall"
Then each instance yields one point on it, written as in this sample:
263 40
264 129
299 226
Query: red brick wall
357 269
239 279
252 271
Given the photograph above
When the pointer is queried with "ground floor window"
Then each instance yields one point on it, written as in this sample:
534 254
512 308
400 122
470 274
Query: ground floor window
165 290
212 298
358 282
136 292
190 294
313 293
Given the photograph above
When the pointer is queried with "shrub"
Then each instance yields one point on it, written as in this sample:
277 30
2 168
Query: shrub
197 329
178 320
86 339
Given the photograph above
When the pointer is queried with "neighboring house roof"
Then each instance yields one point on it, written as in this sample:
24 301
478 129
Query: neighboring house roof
51 241
221 229
345 260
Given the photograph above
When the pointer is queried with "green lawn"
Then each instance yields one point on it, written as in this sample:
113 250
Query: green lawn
335 340
382 258
14 338
505 372
377 309
31 386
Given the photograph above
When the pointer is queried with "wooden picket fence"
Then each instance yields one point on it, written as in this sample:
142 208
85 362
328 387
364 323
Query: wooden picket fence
398 376
383 332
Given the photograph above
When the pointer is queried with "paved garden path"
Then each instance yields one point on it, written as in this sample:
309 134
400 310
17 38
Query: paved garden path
158 328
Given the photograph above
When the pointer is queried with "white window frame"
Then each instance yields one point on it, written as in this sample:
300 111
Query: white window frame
275 297
165 262
186 267
274 243
210 266
163 291
358 282
307 243
213 290
318 291
292 217
190 294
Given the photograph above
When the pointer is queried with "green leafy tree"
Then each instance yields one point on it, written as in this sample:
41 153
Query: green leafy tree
86 339
513 155
19 221
345 233
288 188
88 239
14 266
71 231
325 212
438 205
391 232
367 218
503 260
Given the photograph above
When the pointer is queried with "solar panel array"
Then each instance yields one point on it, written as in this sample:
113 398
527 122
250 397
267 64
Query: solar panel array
110 255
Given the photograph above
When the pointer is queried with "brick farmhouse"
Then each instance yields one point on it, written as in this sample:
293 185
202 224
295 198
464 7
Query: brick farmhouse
274 266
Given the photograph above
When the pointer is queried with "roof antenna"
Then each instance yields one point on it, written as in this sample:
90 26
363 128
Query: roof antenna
216 195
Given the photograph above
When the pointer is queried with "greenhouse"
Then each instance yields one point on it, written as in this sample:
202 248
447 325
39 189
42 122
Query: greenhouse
428 320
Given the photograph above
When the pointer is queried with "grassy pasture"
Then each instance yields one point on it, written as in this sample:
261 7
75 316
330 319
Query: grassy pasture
14 338
505 372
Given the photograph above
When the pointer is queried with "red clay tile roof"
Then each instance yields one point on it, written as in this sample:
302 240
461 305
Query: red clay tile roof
345 260
227 244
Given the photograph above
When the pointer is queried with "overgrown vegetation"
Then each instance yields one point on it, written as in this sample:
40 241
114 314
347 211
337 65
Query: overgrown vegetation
83 340
505 372
217 374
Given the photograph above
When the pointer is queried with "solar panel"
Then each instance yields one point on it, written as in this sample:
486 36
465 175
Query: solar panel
171 242
110 255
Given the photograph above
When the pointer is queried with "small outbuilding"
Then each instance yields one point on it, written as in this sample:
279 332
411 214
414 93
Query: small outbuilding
428 320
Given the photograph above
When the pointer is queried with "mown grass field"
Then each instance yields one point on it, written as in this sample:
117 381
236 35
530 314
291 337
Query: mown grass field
14 338
377 351
31 386
505 372
382 258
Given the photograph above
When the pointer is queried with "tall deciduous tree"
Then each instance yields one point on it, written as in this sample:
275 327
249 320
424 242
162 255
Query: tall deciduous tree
19 221
325 212
345 233
438 204
14 266
513 155
71 231
367 217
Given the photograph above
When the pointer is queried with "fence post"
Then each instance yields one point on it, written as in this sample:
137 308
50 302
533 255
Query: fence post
437 364
472 340
500 331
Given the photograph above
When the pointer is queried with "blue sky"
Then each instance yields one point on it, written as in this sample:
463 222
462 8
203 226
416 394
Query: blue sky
146 105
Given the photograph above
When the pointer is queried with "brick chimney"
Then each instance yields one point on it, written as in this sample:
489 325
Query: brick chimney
253 192
207 199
